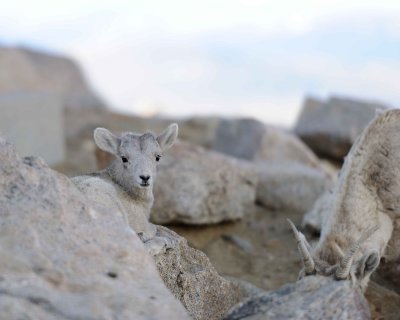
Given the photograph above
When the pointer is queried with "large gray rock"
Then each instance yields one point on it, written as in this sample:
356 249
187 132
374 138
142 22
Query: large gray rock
61 259
291 186
26 70
314 297
197 186
192 279
34 123
330 128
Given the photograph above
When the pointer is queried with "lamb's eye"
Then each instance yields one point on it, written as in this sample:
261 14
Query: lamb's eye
158 158
124 159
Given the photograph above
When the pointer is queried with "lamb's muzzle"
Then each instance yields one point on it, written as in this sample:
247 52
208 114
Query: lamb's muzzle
302 245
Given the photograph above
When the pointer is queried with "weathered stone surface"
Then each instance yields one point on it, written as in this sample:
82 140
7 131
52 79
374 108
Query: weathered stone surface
290 186
330 128
196 186
32 71
61 259
313 297
192 279
34 123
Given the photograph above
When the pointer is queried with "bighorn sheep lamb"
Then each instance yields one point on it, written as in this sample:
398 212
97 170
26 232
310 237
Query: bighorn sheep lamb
362 222
126 185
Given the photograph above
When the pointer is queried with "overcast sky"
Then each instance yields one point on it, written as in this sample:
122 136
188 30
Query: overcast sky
231 57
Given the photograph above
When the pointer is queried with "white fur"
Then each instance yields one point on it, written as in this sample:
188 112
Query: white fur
120 187
366 195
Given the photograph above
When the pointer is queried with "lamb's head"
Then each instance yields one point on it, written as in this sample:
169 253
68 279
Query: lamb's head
356 263
137 156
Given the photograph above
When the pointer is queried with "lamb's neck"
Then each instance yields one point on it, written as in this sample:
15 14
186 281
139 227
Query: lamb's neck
138 194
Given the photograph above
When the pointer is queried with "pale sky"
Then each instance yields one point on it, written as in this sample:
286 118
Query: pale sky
229 57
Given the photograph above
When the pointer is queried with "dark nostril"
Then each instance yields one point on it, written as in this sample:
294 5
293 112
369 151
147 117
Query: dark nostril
145 178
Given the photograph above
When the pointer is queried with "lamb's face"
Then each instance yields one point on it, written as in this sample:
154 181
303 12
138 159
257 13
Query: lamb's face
137 155
354 261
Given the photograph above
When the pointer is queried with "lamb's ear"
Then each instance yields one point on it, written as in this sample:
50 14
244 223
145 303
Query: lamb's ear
368 263
168 137
106 141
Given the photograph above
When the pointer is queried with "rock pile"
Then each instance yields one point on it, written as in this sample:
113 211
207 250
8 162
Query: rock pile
61 258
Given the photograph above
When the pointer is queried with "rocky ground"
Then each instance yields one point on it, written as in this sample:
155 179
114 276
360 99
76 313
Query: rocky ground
259 248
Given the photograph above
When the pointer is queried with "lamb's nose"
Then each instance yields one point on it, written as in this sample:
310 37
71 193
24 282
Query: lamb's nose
144 178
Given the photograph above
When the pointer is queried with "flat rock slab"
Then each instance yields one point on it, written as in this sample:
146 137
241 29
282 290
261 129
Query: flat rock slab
330 128
61 259
197 186
313 297
192 279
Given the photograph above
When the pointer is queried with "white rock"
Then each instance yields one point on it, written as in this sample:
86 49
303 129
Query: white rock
197 186
61 260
